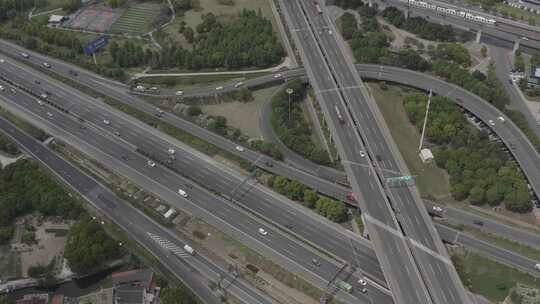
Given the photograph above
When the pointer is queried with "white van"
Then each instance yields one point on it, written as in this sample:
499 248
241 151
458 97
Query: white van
189 249
182 193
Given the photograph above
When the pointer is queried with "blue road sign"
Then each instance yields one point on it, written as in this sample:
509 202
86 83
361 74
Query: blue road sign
95 45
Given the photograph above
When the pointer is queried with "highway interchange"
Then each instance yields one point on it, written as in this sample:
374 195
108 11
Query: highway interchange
429 246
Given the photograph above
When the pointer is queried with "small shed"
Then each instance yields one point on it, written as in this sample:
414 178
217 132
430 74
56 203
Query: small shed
56 19
426 155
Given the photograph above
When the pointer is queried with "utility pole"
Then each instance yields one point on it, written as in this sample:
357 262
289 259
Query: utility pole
425 121
289 92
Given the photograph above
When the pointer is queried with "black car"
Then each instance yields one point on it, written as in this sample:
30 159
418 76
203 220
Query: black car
378 157
478 222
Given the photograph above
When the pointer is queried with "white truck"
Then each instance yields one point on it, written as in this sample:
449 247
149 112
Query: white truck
189 249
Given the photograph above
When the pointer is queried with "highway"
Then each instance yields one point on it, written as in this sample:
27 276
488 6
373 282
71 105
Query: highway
388 242
407 77
216 210
195 271
423 81
424 252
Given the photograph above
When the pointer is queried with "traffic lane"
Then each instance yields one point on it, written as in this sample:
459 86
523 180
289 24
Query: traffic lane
524 152
419 229
142 162
442 280
402 259
82 183
405 281
497 253
140 135
214 209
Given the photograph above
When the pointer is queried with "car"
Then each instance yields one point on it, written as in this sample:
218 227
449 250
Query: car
139 88
240 148
501 119
315 262
154 89
46 64
2 60
363 290
171 151
179 93
40 102
378 157
262 231
362 154
49 114
525 38
238 84
437 209
37 82
116 133
537 266
74 73
43 95
330 32
219 88
362 282
182 193
151 164
491 122
278 75
105 121
13 91
269 163
478 223
25 55
1 88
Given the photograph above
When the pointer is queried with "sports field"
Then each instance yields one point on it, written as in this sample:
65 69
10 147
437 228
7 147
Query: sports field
137 19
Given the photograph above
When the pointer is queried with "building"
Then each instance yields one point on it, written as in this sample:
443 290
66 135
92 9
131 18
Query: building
134 287
56 20
426 155
36 298
533 82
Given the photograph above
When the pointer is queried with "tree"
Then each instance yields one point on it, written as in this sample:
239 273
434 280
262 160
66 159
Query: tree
295 191
476 195
219 125
349 25
189 34
310 198
194 111
280 184
88 247
321 206
493 196
177 295
483 51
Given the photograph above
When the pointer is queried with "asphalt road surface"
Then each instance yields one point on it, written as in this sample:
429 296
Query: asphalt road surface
194 270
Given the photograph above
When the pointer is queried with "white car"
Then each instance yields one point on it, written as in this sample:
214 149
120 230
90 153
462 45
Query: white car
364 290
1 88
262 231
362 154
2 61
40 102
182 193
238 84
25 55
179 93
151 164
491 122
362 282
219 88
525 38
139 88
44 96
49 114
500 118
46 64
171 151
437 209
240 148
330 32
278 75
537 266
105 121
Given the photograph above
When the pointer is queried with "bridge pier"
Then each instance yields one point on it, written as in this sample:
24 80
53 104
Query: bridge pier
478 36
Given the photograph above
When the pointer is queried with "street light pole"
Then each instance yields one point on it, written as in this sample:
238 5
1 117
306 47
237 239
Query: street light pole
289 92
425 121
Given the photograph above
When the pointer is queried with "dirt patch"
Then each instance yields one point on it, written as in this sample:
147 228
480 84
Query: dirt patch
400 36
242 115
49 246
97 18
